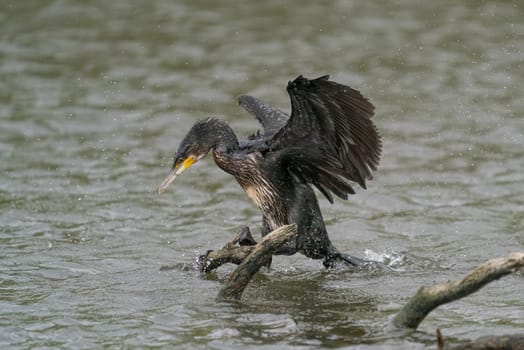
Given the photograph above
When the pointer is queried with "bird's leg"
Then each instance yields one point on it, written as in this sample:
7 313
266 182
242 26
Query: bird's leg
245 237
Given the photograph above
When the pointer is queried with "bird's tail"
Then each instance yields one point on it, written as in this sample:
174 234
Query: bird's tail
347 259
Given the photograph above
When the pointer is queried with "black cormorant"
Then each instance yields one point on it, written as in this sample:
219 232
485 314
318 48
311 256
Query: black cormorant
328 140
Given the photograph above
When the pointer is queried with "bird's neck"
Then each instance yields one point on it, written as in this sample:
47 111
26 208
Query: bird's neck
225 140
225 145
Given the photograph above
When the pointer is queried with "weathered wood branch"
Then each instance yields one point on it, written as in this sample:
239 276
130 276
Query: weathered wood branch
229 253
428 298
251 258
259 256
503 342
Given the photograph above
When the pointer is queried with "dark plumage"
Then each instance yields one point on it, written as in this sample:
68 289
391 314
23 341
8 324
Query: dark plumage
328 140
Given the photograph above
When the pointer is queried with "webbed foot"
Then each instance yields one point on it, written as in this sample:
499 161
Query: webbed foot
349 260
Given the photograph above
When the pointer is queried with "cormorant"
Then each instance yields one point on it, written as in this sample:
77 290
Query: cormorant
328 140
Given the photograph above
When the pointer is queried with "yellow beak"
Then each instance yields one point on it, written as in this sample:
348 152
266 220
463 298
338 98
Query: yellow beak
178 169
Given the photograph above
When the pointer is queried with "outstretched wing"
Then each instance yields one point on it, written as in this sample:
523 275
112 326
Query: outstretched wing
329 138
271 118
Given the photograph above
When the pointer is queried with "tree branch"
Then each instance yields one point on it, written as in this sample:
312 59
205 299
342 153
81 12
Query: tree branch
259 256
503 342
230 253
428 298
227 254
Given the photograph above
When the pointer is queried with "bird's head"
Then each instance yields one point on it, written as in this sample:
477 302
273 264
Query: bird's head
193 147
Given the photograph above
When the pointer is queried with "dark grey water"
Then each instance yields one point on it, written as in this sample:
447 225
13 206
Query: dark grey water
95 96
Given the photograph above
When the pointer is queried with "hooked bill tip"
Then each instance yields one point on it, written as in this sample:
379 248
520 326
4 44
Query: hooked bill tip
164 185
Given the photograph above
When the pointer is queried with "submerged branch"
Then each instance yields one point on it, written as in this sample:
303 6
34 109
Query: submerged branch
230 253
252 257
428 298
259 256
503 342
227 254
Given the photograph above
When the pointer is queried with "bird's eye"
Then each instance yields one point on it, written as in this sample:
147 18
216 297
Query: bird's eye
177 161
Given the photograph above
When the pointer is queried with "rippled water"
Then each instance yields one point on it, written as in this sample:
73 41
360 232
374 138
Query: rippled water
95 96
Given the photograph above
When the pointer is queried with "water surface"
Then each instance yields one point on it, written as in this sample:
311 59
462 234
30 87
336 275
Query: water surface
95 96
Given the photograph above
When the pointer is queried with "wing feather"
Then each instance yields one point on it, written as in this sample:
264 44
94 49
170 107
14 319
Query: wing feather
329 138
271 118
